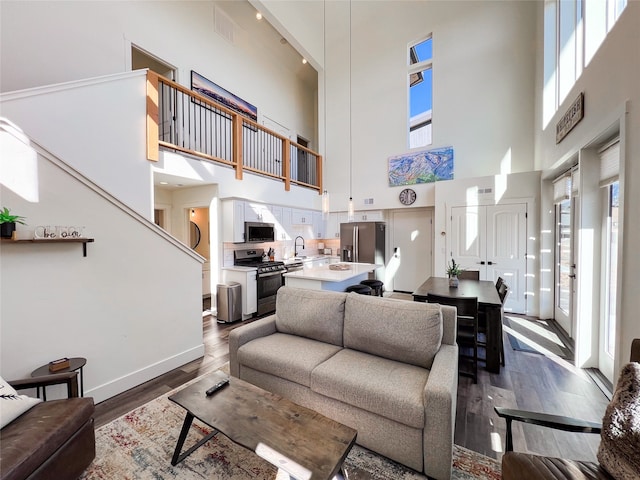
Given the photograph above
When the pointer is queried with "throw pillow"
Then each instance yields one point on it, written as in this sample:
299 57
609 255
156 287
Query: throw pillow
620 437
13 405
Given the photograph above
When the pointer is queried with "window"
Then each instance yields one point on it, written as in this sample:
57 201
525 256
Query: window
573 32
420 92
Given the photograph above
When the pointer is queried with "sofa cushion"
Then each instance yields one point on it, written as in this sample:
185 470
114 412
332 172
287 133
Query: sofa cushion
409 332
620 436
34 437
12 405
388 388
286 356
313 314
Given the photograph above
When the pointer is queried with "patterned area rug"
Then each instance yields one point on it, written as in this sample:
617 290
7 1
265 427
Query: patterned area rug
139 445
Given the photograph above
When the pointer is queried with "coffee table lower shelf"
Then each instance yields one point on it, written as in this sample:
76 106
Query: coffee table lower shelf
266 424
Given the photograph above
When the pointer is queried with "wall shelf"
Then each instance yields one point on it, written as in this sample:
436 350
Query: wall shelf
83 241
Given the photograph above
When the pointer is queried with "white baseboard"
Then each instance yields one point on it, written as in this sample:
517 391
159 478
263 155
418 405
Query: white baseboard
133 379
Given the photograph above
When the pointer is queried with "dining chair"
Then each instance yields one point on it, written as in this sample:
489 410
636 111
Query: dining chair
467 334
503 291
469 275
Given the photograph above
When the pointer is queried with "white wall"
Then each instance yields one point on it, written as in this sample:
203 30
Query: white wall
44 43
484 71
112 306
611 86
80 122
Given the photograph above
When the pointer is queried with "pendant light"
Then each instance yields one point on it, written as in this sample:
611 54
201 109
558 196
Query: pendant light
325 194
350 212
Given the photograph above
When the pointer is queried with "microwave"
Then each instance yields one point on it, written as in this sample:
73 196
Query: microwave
258 232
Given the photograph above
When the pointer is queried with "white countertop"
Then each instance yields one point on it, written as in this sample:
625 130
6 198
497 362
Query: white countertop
237 268
325 274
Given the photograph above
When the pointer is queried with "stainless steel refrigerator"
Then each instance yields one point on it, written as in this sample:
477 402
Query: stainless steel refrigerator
363 242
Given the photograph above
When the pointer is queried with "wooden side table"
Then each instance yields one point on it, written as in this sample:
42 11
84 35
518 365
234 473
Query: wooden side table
75 363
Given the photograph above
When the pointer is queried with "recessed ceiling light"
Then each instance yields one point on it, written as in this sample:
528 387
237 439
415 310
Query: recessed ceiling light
164 183
304 61
259 16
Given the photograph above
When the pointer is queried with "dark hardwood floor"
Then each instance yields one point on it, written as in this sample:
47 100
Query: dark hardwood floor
529 381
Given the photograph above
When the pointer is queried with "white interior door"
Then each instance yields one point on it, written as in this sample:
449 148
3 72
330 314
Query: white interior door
506 251
468 226
411 238
492 239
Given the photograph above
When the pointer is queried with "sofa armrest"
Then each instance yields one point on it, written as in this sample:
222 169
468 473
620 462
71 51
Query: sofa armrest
440 399
246 333
449 324
70 379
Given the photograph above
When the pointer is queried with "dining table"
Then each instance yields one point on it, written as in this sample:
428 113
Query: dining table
488 302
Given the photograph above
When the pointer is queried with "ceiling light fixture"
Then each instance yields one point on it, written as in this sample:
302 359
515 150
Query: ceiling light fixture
325 194
259 16
350 212
304 61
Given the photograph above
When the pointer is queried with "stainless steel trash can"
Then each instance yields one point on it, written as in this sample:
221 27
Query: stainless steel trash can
229 302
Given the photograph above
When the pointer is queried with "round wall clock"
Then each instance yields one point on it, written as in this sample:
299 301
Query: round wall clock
407 196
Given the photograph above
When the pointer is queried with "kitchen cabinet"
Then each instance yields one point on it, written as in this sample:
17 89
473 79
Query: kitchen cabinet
282 222
257 212
368 216
247 278
318 225
301 217
332 228
233 212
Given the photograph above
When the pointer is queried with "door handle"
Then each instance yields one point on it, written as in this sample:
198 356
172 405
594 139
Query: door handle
491 263
481 263
572 276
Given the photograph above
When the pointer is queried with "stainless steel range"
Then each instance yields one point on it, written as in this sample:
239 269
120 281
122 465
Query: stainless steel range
268 276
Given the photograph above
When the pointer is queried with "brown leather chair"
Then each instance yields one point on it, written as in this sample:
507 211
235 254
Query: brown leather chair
525 466
53 439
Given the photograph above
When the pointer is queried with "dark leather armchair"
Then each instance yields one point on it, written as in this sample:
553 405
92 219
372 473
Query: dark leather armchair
524 466
53 439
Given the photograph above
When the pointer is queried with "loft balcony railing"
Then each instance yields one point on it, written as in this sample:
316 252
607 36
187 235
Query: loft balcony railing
183 120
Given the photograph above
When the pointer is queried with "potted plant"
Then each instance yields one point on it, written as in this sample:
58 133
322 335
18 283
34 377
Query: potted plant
453 270
8 223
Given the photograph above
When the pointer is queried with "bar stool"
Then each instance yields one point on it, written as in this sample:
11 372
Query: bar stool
376 286
361 289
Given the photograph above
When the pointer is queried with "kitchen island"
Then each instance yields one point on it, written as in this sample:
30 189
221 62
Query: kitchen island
325 278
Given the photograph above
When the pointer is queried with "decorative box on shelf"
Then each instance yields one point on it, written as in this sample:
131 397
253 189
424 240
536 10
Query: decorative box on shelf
59 364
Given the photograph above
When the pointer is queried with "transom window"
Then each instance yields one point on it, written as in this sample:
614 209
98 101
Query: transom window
420 92
573 32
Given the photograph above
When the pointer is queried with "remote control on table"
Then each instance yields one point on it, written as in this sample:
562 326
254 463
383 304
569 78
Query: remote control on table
217 387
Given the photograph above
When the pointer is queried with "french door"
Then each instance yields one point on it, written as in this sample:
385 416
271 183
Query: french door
565 269
492 239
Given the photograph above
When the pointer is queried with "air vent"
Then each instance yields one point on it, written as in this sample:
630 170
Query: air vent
485 191
224 26
368 201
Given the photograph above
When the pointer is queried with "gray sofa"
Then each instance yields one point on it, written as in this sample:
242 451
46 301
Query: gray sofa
388 368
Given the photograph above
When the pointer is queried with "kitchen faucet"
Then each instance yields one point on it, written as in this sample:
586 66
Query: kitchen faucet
295 245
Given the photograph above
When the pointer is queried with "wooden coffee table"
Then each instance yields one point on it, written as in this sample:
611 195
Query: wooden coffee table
303 443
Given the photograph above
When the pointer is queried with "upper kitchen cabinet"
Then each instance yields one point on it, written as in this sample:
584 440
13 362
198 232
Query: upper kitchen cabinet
282 222
233 212
368 216
318 225
301 217
257 212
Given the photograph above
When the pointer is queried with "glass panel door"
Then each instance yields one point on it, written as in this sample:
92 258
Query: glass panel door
610 269
565 268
